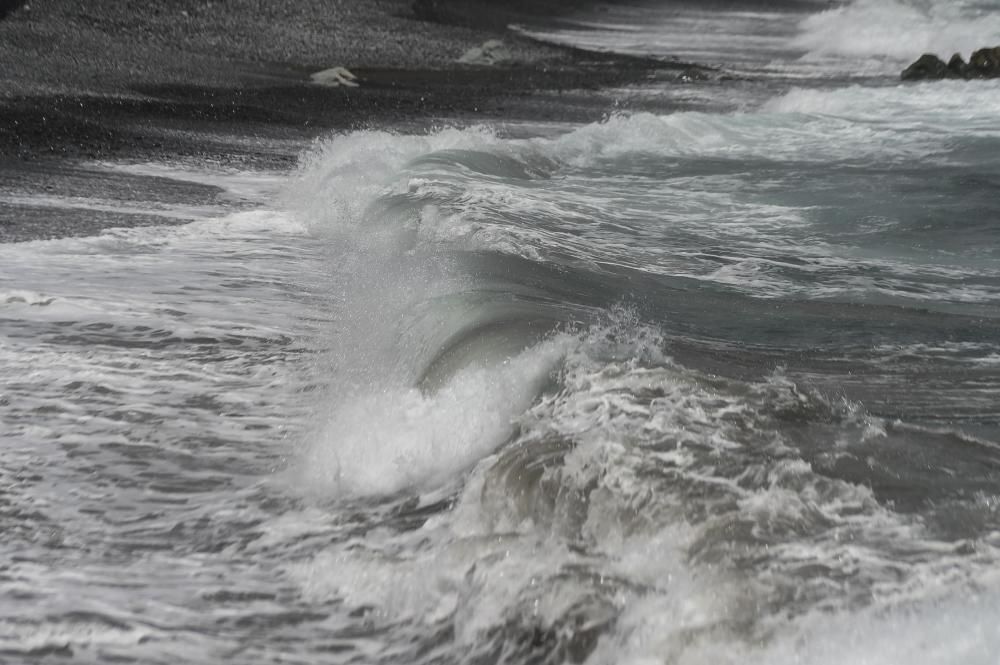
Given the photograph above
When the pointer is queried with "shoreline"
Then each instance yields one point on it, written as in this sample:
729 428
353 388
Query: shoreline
95 125
206 91
69 104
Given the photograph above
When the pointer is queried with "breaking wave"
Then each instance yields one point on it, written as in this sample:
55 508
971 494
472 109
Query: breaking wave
900 30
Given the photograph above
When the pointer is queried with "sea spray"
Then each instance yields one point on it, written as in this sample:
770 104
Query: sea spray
899 30
383 441
397 420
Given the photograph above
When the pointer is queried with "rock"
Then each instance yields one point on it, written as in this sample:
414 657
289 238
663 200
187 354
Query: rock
691 74
335 77
492 52
985 63
927 66
957 66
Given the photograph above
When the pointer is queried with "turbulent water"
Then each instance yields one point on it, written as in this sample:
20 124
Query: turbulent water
686 387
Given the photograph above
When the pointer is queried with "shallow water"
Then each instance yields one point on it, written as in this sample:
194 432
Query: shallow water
689 387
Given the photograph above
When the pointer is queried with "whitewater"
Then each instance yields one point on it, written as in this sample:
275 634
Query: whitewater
713 385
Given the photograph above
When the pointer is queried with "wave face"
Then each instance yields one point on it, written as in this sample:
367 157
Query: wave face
679 388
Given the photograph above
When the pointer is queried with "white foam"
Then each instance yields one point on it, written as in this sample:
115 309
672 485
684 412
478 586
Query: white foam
957 629
79 633
900 30
632 431
767 136
417 587
948 106
27 298
341 176
716 36
804 124
379 196
397 437
863 38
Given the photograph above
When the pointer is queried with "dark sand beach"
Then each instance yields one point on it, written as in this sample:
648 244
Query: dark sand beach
112 78
229 82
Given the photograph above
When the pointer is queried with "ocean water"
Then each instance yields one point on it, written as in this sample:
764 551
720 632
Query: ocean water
685 387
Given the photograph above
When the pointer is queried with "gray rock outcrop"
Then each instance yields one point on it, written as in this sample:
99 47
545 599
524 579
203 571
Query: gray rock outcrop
984 64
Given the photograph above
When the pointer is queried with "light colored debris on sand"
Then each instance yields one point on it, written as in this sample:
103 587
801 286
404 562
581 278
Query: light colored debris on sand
492 52
335 77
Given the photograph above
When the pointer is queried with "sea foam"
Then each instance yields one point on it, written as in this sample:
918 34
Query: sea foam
899 29
341 176
381 442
